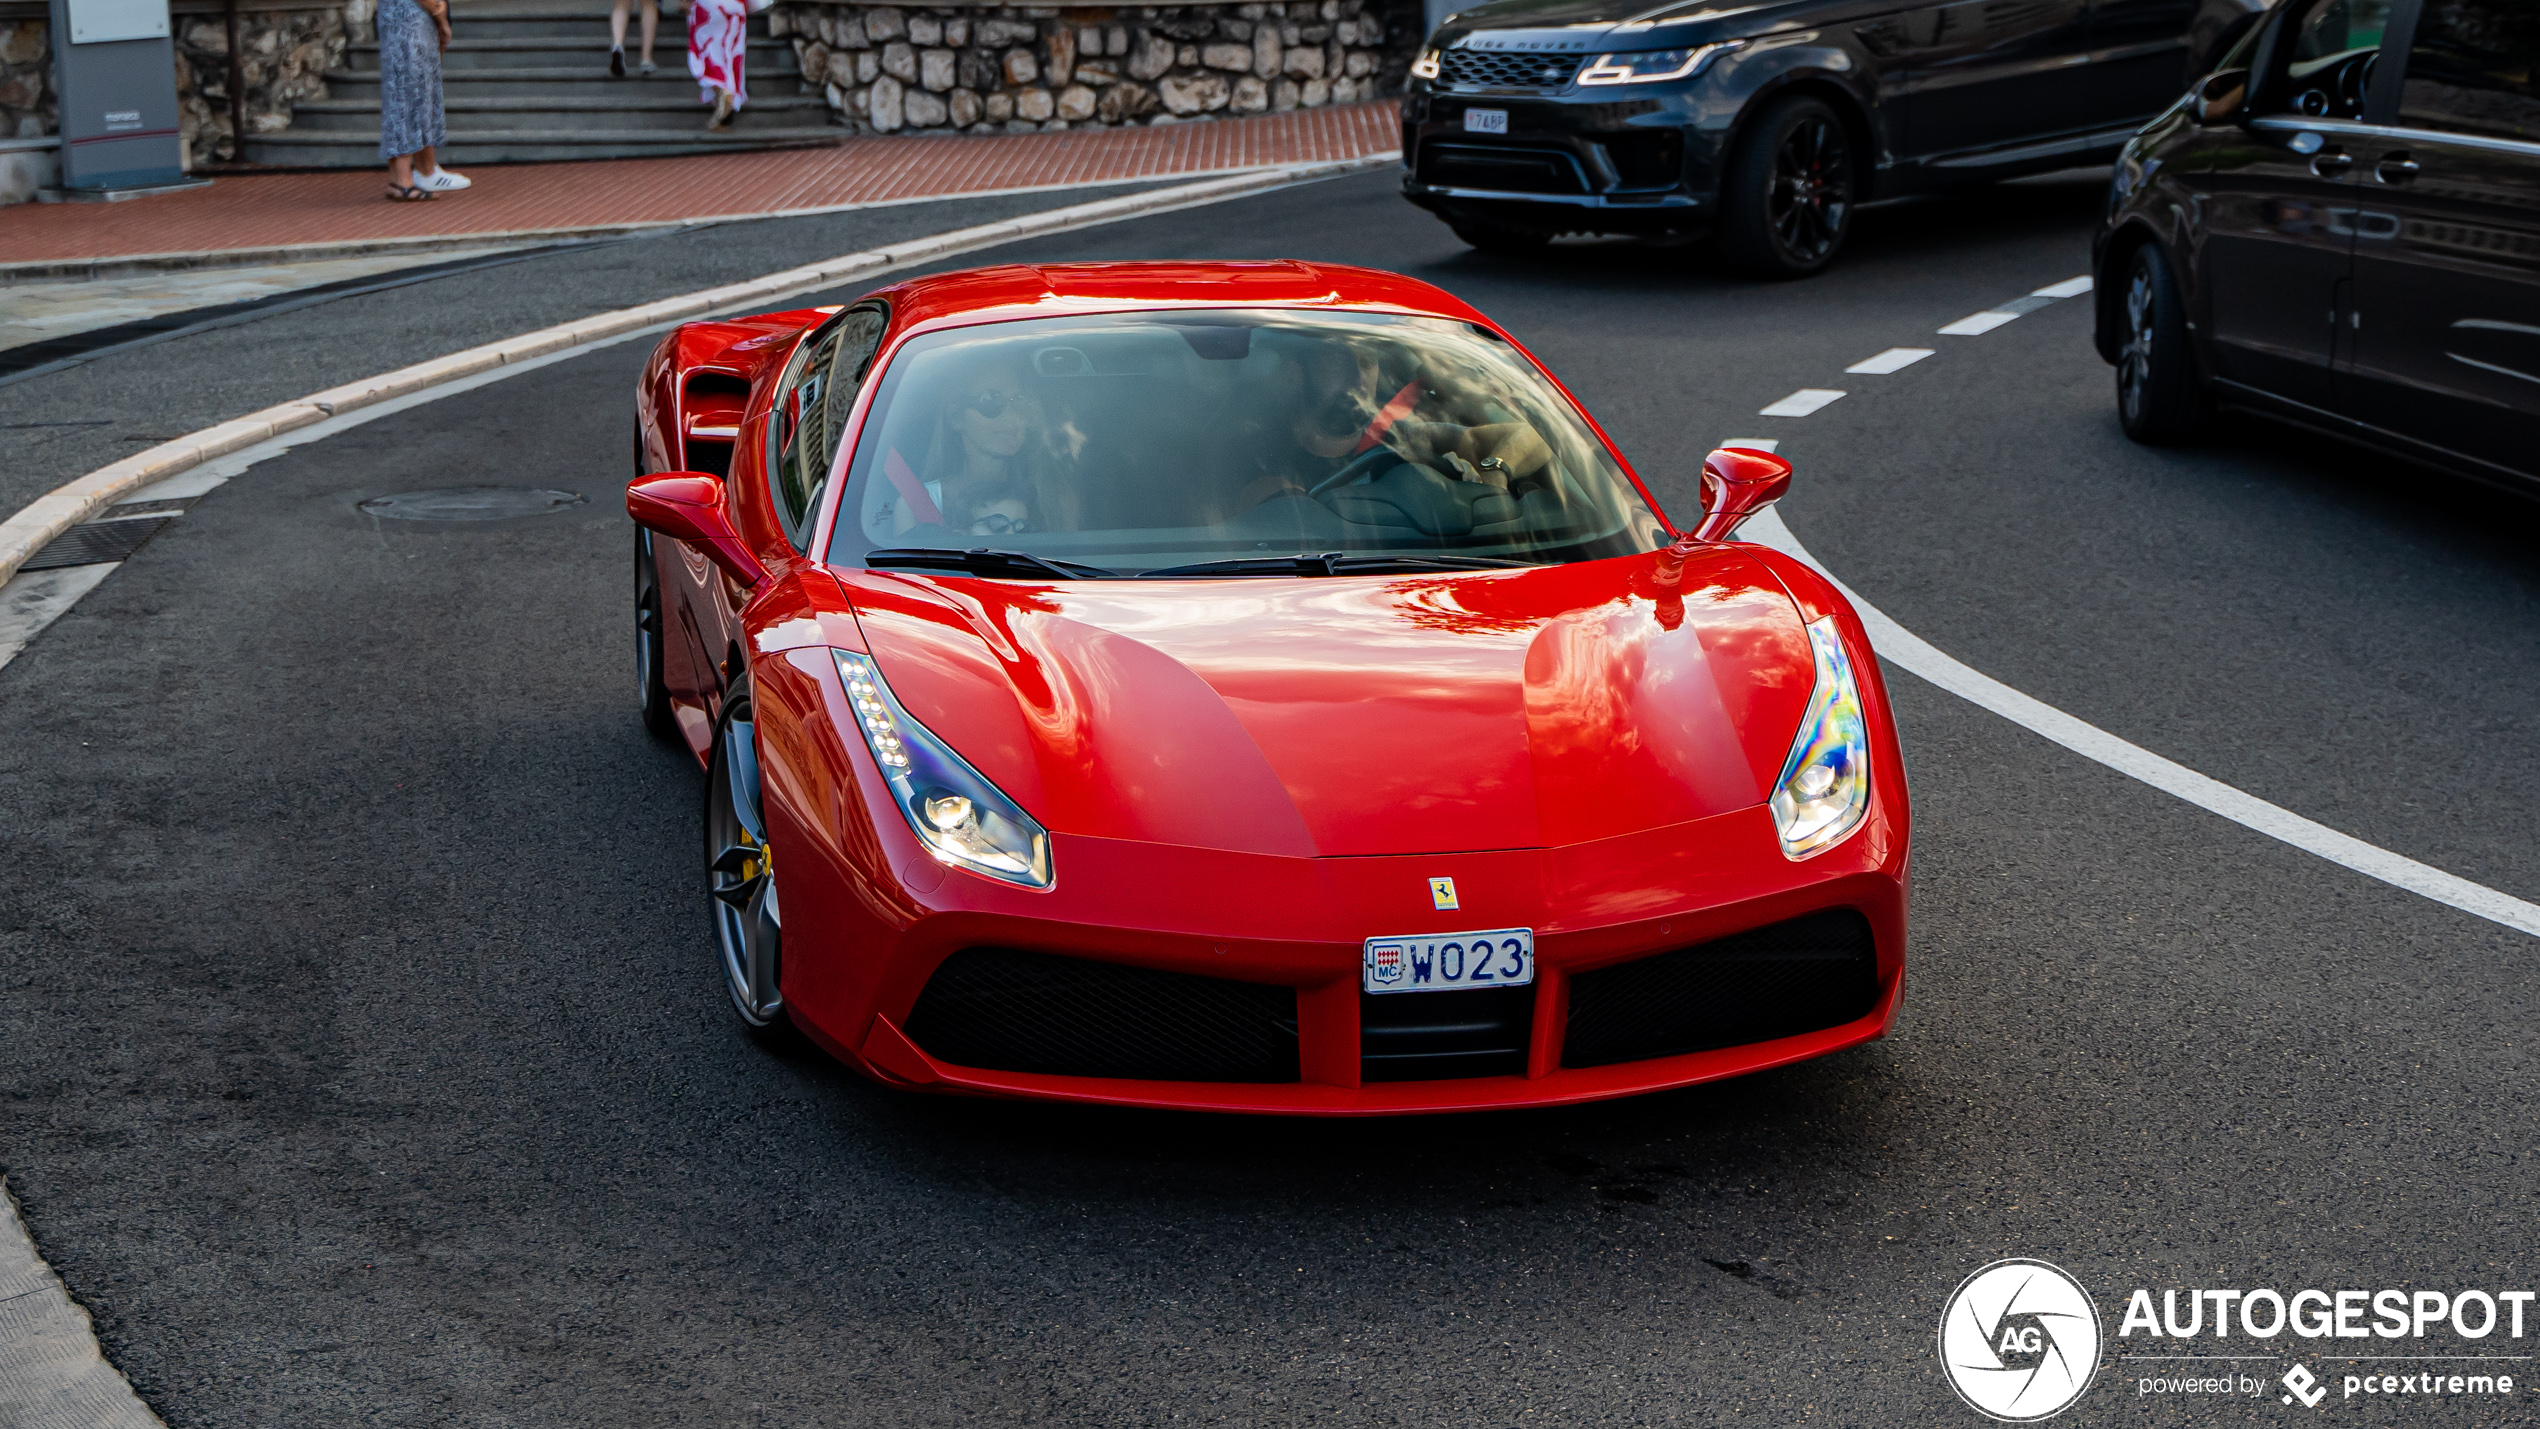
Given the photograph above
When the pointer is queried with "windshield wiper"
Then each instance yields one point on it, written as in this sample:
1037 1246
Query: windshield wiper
1330 563
982 561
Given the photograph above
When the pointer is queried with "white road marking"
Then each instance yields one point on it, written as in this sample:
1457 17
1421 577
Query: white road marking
1895 359
1978 324
2069 288
37 598
1801 402
1894 642
1761 444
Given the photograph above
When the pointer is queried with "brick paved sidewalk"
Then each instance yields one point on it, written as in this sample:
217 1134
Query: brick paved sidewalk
265 211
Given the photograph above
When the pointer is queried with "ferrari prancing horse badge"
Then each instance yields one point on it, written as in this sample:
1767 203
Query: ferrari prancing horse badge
1442 893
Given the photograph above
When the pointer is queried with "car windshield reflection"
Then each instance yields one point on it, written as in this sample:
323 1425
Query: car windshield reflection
1233 443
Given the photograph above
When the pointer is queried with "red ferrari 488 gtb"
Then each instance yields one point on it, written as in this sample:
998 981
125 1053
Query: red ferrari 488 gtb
1248 686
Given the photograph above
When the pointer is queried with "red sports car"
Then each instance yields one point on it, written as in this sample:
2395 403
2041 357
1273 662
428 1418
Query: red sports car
1246 686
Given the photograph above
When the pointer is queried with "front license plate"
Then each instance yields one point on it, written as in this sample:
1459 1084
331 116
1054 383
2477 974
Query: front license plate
1485 121
1445 962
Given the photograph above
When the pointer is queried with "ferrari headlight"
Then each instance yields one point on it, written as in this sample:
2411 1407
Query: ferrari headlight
1824 788
962 819
1651 66
1425 67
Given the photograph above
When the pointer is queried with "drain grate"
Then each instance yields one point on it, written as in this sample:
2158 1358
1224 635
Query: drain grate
471 503
96 543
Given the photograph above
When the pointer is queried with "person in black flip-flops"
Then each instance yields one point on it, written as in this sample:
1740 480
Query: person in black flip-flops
617 36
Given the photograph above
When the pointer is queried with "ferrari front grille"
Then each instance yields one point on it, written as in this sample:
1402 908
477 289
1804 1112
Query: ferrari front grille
1420 1036
1507 69
1006 1011
1804 975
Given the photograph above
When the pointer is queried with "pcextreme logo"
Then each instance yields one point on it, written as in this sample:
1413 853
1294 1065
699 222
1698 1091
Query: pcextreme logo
2019 1341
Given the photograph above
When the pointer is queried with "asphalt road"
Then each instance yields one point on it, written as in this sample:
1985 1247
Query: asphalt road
364 1061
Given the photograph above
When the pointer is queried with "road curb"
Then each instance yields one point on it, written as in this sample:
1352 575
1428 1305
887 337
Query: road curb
34 270
27 532
51 1373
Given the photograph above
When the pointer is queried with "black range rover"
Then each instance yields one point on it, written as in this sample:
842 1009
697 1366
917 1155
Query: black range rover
1765 124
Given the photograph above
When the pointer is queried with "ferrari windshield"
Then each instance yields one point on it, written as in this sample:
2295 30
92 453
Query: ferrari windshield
1227 443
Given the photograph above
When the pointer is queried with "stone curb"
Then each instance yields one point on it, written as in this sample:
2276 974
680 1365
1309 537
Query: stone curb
51 1374
25 533
34 270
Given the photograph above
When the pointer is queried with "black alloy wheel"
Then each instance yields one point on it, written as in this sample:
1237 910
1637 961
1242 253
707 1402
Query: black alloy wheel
651 695
740 873
1787 205
2160 401
1507 242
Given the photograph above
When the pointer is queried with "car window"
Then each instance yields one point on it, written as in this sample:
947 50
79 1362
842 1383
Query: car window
2333 44
2471 69
811 411
1137 442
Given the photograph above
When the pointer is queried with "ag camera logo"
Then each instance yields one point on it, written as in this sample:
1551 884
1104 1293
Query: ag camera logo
2019 1341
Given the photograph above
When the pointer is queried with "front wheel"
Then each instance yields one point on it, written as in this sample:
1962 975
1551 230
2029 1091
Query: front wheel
740 868
1787 205
2160 401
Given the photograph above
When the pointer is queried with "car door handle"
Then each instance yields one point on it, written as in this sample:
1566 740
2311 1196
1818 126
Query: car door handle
2395 169
2332 163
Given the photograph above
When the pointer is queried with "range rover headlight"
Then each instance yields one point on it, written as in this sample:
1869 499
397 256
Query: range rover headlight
1426 67
1824 789
1650 66
962 819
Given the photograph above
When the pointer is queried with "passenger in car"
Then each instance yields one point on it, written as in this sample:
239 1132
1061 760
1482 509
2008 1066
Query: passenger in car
989 467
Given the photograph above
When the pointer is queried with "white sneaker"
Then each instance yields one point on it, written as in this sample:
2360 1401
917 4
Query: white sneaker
441 181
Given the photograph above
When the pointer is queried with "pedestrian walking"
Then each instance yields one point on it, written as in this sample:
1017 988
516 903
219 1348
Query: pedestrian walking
617 35
718 45
412 35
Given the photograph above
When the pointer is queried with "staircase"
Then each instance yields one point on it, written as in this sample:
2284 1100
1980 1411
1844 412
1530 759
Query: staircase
528 81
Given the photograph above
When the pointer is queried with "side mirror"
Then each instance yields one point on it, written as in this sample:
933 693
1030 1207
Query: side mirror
688 506
2217 97
1737 482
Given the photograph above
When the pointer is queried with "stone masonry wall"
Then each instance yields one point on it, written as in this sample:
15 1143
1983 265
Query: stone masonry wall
284 57
1013 69
27 106
285 53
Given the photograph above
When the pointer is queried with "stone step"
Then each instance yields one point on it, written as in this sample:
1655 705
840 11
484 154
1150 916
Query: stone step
672 83
669 51
315 150
554 115
549 22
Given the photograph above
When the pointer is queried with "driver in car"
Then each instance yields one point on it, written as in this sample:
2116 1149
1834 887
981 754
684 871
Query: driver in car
1339 409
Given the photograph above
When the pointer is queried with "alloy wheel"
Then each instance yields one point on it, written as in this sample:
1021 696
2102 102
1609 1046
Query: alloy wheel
1811 198
740 871
647 621
2134 361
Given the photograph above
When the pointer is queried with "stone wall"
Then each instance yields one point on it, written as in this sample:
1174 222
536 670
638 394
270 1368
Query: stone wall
27 108
285 55
1013 69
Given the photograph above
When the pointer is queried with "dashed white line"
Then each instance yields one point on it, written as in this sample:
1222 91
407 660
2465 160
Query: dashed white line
1978 324
2069 288
1801 402
1895 359
1761 444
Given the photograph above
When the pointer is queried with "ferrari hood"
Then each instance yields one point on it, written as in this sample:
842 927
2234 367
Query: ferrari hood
1356 716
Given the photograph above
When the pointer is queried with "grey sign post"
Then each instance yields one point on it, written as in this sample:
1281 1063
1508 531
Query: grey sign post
114 68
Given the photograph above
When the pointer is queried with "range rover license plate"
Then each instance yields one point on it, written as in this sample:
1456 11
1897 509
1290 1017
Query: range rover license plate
1447 962
1485 121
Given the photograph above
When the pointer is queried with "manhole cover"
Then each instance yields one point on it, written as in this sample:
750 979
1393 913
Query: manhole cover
471 503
